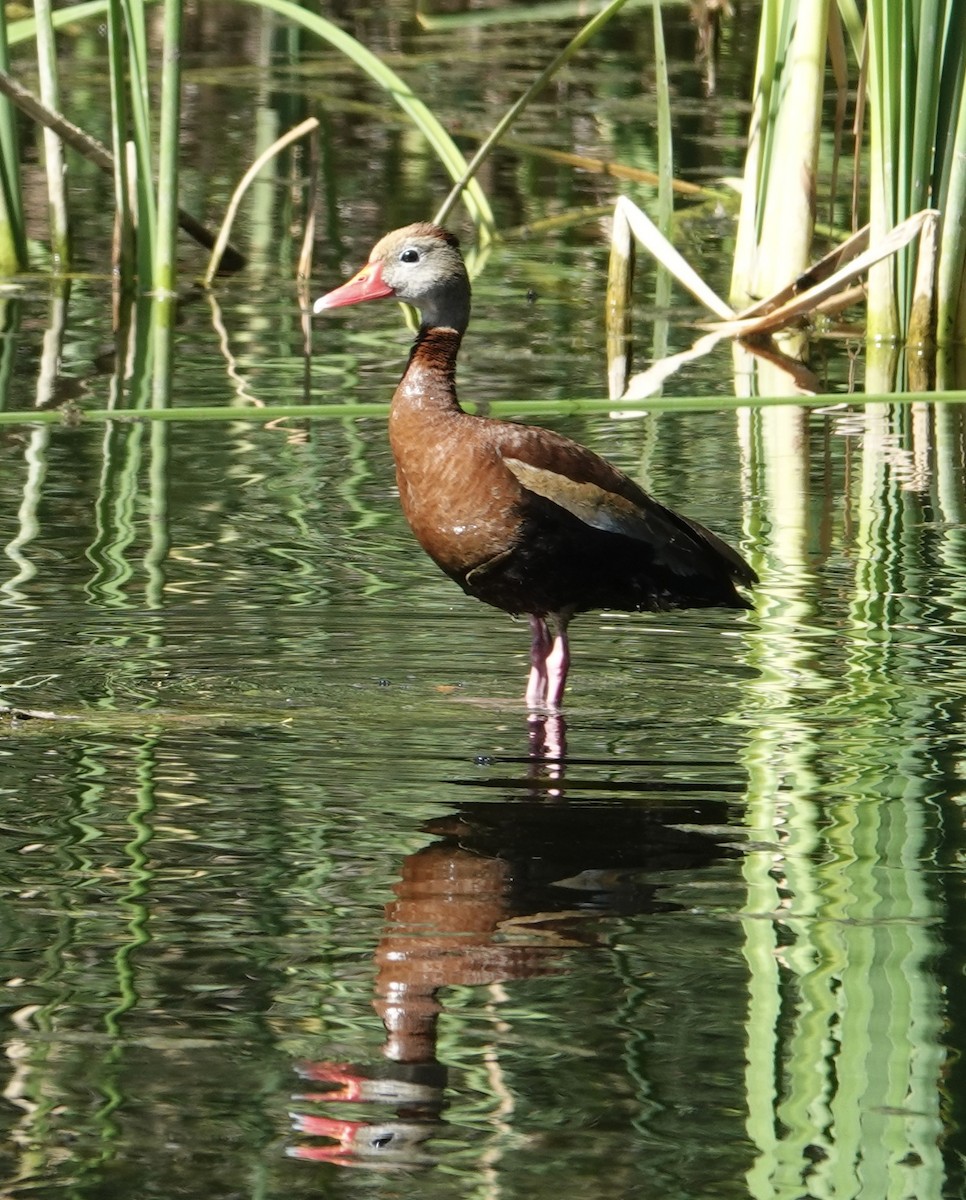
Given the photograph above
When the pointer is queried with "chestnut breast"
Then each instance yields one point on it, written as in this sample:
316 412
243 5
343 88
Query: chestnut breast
460 499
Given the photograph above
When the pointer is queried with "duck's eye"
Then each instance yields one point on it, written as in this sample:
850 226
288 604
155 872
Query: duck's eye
409 256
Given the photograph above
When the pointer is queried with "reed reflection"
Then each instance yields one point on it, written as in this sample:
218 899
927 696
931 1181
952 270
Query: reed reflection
504 890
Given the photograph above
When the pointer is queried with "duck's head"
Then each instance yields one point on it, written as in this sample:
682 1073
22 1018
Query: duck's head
421 265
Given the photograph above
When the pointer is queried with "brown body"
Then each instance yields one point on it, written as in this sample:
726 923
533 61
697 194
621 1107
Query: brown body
531 522
520 517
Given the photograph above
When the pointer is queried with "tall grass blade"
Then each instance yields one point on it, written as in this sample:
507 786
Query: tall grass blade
749 217
788 213
851 19
951 146
840 72
884 38
921 339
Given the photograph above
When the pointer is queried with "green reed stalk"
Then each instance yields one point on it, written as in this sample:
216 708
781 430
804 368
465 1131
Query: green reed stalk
951 171
54 161
923 81
665 186
916 122
540 410
124 215
884 33
854 25
917 60
164 275
951 284
778 206
756 158
135 16
617 304
165 269
13 241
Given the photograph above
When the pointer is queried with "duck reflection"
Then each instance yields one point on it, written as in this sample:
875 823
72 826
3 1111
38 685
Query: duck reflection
505 890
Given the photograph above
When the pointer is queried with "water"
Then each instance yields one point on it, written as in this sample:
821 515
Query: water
292 881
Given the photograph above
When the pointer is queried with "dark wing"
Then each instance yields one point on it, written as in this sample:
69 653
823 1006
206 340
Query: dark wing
603 497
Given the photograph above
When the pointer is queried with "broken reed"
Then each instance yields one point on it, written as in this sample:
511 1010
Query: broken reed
907 63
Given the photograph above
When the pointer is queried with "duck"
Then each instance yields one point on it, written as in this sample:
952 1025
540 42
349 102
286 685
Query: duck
523 518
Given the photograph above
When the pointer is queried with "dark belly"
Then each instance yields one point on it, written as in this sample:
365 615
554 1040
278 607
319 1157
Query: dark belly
555 562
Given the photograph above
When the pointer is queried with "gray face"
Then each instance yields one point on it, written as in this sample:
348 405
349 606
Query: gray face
427 272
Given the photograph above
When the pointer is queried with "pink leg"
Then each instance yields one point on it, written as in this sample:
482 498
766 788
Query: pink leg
557 666
540 648
549 661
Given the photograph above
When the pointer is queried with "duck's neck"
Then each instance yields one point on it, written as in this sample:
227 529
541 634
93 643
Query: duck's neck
429 382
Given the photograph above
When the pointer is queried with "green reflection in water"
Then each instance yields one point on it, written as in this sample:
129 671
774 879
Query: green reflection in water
844 1044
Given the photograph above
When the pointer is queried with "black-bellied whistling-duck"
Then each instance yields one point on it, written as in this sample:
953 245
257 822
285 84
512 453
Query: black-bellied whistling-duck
520 517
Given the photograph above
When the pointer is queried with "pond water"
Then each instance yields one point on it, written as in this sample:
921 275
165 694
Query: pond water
292 882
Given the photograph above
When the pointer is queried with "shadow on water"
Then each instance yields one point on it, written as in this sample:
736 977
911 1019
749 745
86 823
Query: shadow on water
504 890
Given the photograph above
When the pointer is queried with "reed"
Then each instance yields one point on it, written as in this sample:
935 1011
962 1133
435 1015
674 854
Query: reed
665 186
949 178
914 141
55 163
147 213
140 159
909 61
917 136
778 199
524 408
164 273
125 225
13 241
